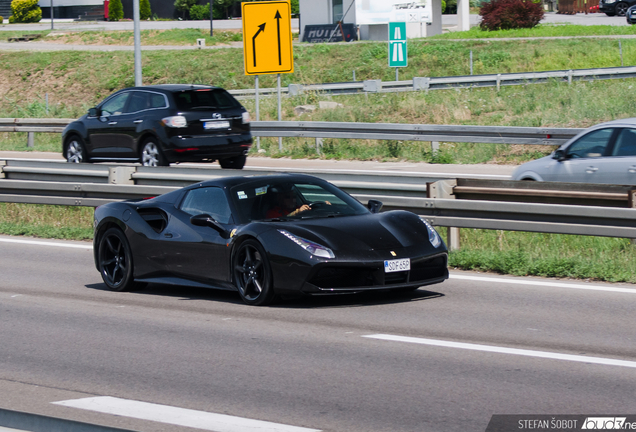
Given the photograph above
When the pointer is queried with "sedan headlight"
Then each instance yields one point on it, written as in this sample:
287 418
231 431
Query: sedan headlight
433 237
175 121
309 246
609 1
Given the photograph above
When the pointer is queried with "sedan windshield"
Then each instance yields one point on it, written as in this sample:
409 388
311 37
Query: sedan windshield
288 200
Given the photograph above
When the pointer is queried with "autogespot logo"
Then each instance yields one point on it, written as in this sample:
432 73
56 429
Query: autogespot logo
607 423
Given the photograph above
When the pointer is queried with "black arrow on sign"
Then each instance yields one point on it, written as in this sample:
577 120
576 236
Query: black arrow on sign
260 29
278 18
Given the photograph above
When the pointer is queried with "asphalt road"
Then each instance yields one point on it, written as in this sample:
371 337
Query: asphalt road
309 363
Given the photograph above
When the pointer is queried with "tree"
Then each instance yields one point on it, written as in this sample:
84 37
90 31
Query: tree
200 12
184 6
115 10
145 12
25 11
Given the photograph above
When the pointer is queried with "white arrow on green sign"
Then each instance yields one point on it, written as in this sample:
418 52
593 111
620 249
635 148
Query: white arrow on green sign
398 56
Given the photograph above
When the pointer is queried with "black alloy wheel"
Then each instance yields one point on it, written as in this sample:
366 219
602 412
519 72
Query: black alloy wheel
236 162
115 261
252 274
621 8
151 154
75 152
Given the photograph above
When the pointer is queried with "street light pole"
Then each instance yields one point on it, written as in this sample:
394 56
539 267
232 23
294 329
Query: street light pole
138 81
211 17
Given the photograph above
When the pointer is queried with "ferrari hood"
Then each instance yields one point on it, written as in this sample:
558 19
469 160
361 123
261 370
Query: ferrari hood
383 231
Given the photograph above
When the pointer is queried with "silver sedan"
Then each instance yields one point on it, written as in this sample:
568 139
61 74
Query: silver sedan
605 153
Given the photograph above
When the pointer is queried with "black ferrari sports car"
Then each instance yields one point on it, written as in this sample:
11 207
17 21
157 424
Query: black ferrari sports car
265 236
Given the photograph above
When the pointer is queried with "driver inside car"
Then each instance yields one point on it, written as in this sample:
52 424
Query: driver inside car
286 205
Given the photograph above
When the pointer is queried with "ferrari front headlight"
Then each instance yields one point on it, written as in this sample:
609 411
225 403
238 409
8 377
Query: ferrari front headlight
311 247
433 236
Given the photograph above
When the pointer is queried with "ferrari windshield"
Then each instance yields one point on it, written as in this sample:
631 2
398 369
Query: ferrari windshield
290 200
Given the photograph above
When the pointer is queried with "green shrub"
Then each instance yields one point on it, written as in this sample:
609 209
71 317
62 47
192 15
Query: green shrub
25 11
145 12
115 10
200 12
510 14
1 19
184 6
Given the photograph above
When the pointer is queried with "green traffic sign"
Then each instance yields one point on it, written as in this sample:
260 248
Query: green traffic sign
398 56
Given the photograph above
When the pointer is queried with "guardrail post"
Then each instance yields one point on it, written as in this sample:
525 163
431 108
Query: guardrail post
570 77
318 145
498 82
434 146
295 89
121 175
443 189
372 86
421 83
631 203
30 139
2 164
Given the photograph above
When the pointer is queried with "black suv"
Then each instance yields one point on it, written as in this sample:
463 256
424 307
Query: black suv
615 7
157 125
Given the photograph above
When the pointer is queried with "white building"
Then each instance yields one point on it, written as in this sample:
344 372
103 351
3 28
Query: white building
371 17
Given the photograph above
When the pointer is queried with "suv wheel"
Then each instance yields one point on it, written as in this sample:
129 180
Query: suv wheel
75 152
621 8
151 155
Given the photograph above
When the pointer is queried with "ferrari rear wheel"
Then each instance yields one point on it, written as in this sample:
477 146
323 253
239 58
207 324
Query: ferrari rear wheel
253 275
115 261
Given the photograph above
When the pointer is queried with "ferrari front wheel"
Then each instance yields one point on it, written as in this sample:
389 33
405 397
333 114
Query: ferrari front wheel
115 261
253 275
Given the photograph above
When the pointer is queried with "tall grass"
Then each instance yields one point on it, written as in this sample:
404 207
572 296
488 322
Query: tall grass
59 222
550 255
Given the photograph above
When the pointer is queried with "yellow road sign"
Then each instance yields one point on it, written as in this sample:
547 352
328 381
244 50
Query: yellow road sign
267 38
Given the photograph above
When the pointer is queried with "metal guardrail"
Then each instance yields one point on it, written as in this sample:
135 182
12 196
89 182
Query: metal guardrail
350 130
395 191
438 83
416 132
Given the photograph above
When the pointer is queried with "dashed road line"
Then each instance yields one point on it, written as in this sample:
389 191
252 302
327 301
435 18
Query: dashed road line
177 416
504 350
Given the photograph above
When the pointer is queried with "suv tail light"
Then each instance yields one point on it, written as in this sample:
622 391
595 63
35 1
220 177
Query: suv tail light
246 117
175 121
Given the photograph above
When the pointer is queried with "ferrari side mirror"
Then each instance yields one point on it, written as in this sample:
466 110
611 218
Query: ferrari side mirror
208 221
374 206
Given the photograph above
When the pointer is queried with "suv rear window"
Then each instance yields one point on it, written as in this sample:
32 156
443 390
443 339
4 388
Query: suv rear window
204 99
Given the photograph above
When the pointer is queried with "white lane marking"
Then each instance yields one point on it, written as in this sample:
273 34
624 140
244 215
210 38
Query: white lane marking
503 350
543 283
177 416
47 243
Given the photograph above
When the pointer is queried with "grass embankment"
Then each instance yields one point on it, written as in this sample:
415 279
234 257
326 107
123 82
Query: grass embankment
73 85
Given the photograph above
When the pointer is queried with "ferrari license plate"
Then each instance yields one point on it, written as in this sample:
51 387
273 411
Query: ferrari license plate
216 125
391 266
